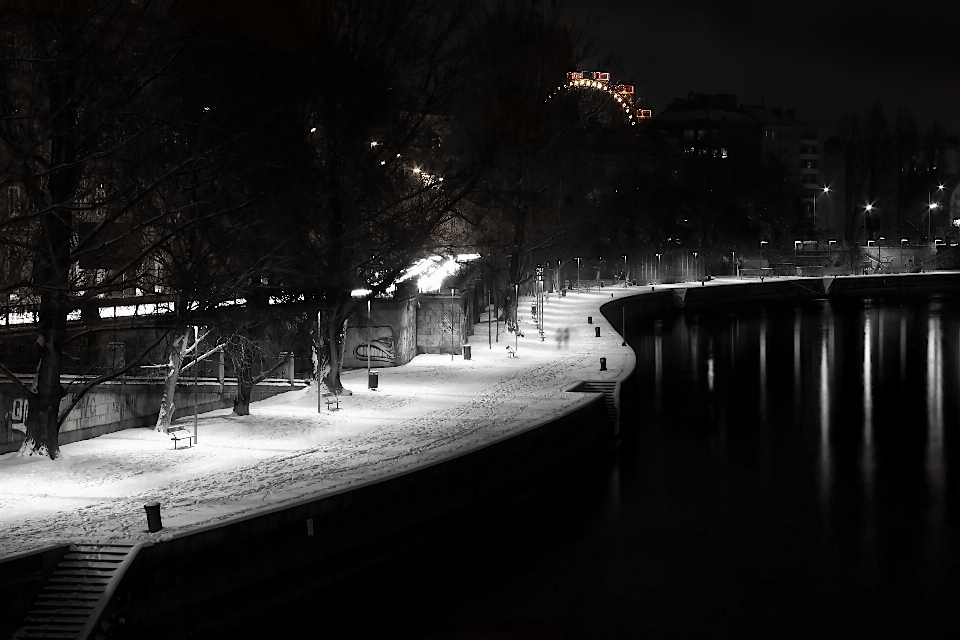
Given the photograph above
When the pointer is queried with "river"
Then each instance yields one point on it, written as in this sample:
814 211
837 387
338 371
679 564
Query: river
793 473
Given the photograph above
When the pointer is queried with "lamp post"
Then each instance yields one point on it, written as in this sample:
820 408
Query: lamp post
658 267
579 260
624 256
599 266
452 289
824 191
516 317
762 242
696 265
540 297
903 241
196 379
931 205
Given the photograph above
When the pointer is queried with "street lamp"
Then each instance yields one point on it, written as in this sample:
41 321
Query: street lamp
903 241
599 266
579 260
624 256
540 300
816 197
762 242
931 205
658 267
452 348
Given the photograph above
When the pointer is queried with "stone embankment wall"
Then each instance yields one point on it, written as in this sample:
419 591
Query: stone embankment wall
124 404
191 584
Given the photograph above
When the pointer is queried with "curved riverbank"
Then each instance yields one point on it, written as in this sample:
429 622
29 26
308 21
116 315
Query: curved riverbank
191 580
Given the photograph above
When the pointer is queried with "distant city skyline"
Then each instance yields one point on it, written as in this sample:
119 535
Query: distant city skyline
819 57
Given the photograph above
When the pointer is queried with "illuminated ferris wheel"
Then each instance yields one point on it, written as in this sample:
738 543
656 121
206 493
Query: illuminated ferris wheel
600 81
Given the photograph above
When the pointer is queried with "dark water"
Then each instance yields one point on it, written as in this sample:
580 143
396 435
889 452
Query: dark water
794 473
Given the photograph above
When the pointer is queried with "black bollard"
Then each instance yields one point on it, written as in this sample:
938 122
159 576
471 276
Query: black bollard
603 362
589 319
153 517
598 332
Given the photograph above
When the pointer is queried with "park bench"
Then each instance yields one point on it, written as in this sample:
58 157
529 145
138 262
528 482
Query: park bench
331 399
181 433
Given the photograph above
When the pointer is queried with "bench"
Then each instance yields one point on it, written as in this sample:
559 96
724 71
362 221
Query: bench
331 399
181 433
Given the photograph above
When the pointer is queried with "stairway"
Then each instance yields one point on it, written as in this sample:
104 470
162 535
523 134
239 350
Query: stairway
78 591
608 389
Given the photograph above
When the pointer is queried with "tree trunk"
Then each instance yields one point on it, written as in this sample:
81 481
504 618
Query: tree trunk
245 383
333 321
43 419
178 352
42 429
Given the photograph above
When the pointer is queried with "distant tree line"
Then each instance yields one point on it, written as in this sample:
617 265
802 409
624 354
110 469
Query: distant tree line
259 166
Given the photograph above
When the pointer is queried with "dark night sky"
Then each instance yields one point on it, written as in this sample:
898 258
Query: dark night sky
820 57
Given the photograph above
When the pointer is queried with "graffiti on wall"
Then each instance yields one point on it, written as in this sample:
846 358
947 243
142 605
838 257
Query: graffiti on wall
18 414
378 342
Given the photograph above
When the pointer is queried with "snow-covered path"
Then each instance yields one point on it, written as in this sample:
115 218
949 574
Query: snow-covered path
287 449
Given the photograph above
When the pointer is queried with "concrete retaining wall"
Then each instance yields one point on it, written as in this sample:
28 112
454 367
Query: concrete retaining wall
389 333
126 404
434 321
195 581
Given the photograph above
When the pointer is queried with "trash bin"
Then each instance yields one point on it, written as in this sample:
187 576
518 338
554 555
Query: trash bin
603 361
563 293
533 310
466 352
153 516
372 380
598 331
589 319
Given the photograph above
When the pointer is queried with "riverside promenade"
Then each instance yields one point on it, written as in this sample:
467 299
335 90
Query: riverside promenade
290 502
434 408
287 451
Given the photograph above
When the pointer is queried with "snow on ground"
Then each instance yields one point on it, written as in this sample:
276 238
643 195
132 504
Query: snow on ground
287 449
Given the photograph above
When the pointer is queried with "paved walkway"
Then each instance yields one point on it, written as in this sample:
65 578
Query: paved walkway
287 450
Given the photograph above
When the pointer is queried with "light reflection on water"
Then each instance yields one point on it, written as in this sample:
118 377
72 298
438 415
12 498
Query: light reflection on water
793 473
834 355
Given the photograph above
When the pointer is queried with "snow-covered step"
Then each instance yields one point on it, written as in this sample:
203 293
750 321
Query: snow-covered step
78 591
608 389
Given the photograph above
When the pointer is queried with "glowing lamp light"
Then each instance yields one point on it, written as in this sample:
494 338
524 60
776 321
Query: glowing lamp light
360 293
